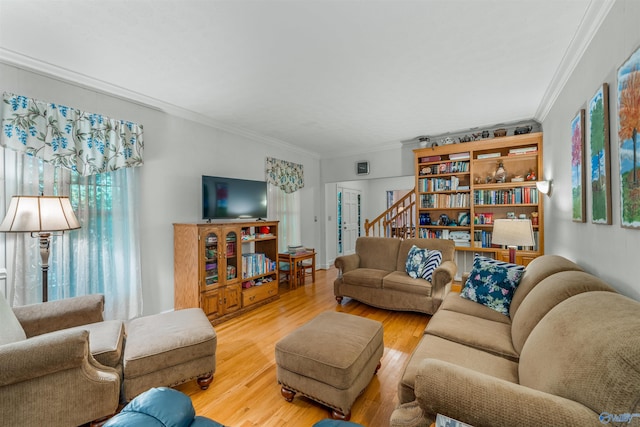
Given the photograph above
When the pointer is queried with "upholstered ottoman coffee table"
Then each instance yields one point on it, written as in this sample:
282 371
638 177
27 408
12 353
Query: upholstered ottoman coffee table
331 359
167 349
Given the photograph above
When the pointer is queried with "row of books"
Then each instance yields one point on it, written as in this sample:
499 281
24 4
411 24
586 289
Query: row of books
519 195
457 200
256 264
441 184
512 152
453 156
482 239
448 167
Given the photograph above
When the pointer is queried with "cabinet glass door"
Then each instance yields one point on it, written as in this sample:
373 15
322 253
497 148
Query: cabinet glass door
211 259
231 256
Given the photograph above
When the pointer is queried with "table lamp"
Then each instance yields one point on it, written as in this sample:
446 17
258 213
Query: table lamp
512 233
42 216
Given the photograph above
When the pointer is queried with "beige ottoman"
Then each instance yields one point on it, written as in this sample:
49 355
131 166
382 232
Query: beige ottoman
168 349
331 360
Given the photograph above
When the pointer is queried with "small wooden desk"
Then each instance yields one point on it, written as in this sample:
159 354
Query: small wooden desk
296 269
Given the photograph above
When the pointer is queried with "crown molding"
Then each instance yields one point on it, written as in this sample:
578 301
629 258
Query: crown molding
593 17
67 76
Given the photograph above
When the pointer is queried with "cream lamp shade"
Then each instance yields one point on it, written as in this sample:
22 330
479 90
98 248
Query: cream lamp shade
512 233
37 214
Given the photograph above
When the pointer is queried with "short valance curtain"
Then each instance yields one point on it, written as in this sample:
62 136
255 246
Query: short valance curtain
87 143
286 175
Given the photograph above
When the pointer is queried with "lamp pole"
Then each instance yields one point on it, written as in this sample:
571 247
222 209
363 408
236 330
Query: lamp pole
45 241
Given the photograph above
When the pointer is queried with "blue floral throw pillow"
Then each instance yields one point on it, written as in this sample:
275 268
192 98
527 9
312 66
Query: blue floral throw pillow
492 283
415 258
421 263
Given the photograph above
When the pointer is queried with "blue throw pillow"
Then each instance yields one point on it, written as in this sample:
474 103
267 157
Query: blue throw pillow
415 258
492 283
421 263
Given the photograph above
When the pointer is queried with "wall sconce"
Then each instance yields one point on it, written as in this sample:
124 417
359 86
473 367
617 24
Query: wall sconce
544 187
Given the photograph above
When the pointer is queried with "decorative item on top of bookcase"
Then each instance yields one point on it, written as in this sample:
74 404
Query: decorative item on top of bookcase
600 157
628 140
577 167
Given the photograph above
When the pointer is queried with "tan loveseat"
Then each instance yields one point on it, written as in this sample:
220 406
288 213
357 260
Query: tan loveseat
376 275
568 354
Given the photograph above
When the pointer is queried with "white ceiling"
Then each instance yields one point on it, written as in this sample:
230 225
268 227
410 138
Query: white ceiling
326 76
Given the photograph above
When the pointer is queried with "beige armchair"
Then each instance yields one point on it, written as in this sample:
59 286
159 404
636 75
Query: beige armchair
48 376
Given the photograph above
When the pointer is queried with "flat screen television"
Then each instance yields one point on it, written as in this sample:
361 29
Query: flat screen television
232 198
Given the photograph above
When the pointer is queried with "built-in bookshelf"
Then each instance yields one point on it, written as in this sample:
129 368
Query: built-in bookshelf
459 197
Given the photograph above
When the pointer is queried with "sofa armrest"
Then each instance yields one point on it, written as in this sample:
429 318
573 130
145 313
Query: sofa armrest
482 400
38 319
42 355
442 276
347 263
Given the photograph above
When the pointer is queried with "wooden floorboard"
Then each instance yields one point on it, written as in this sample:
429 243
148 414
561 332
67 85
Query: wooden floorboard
245 391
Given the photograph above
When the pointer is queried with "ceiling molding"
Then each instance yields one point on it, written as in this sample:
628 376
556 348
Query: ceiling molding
595 14
64 75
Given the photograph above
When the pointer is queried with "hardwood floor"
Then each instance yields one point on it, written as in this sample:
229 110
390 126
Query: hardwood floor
245 391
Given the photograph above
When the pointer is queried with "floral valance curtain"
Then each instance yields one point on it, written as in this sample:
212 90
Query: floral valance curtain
87 143
289 177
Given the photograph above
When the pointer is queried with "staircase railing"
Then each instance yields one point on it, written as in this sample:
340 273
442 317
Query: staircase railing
397 221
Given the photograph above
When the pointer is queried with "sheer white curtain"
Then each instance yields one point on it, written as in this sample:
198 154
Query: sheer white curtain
105 252
22 252
103 256
285 207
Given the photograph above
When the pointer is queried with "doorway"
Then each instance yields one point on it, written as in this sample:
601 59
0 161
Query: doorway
349 220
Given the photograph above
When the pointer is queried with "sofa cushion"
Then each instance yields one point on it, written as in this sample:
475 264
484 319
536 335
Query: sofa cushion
10 329
369 277
546 295
537 270
400 281
105 341
492 283
454 302
422 262
439 348
378 252
483 334
586 349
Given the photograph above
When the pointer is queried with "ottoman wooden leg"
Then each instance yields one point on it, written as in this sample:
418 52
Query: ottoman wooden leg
340 416
204 382
377 368
287 394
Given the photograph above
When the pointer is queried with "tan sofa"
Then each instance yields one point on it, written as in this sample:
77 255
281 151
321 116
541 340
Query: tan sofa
568 354
375 275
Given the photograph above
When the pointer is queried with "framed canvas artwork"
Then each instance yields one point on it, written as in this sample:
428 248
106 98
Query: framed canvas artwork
577 167
599 156
628 140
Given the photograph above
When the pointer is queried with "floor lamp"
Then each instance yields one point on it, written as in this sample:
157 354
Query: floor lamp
512 233
43 217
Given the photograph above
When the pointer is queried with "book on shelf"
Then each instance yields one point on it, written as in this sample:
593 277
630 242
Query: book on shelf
523 150
430 159
488 155
459 156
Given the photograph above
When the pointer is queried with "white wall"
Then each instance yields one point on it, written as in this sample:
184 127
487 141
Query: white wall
609 251
177 152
